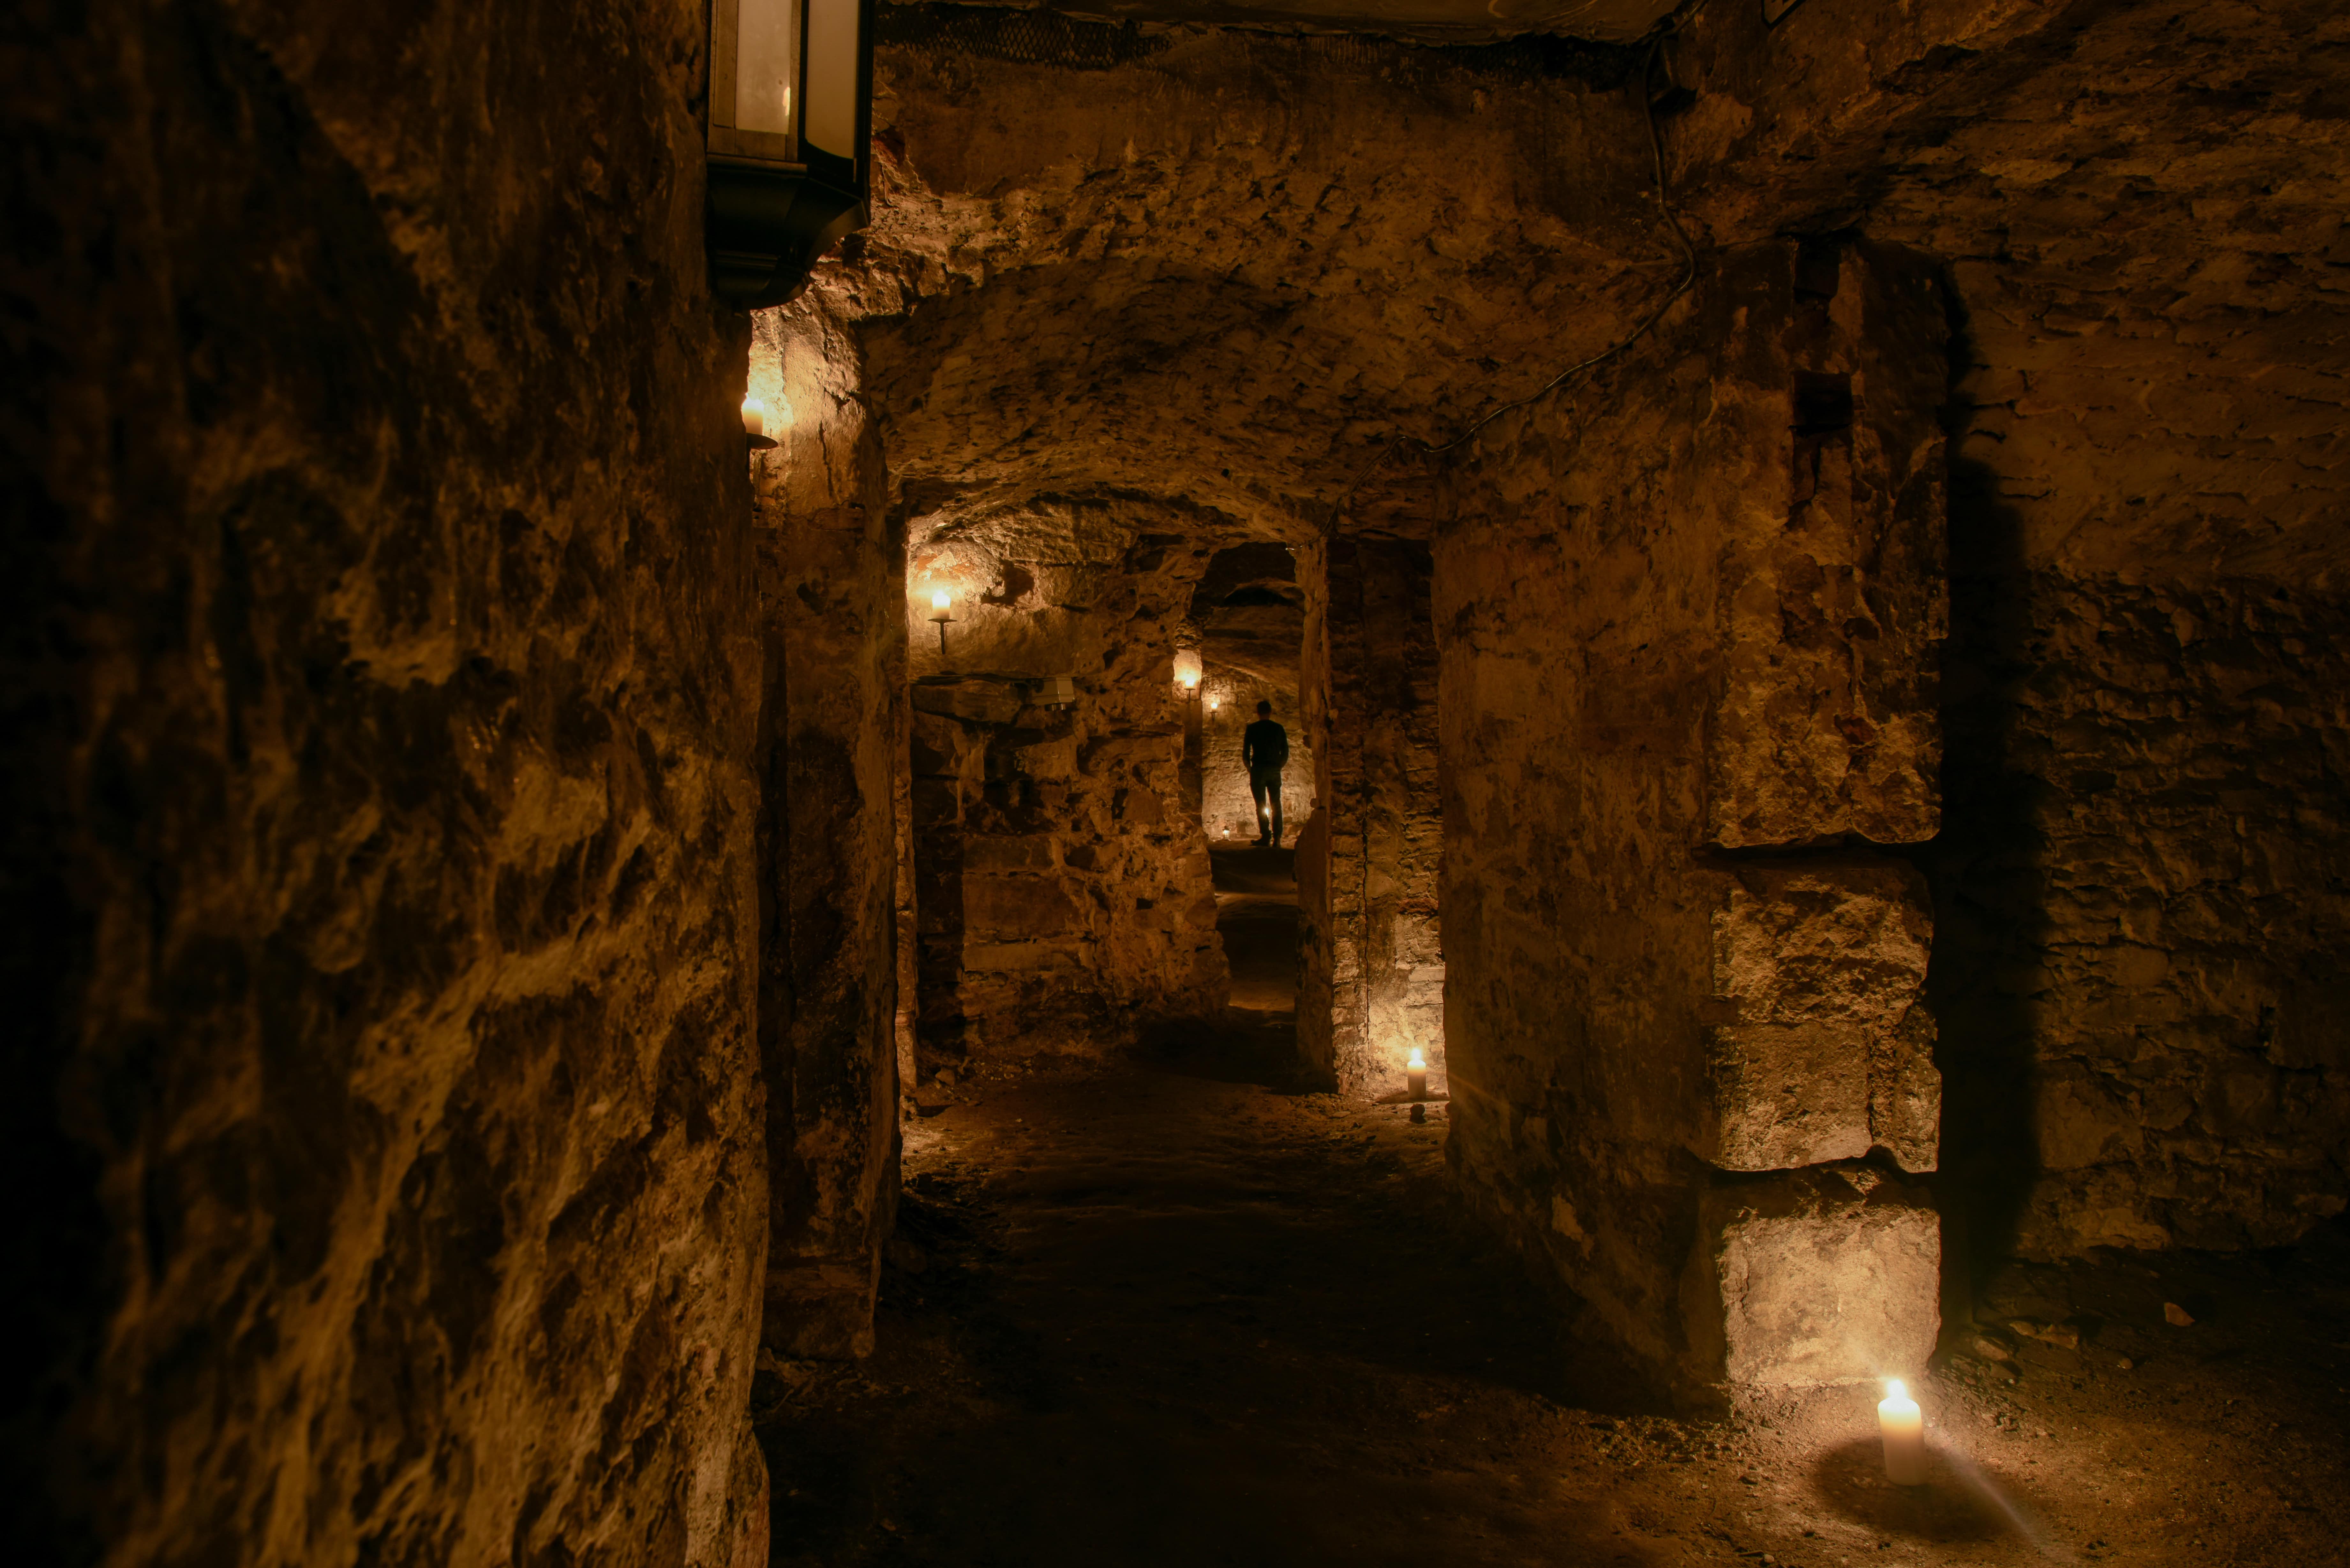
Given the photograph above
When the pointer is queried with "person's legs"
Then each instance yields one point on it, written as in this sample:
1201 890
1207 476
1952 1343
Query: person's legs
1266 788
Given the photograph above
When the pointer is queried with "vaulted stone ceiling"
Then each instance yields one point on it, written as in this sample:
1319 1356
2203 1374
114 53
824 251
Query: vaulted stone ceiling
1224 269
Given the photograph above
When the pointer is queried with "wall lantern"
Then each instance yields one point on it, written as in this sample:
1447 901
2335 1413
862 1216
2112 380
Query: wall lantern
790 135
1187 670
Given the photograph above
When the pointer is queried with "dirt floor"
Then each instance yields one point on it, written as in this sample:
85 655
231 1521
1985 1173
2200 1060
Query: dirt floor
1167 1312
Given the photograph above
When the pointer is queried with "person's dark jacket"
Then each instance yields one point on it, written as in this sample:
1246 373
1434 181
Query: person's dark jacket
1264 747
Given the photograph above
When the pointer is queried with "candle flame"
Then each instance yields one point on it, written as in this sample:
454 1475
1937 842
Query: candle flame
938 598
1896 1389
1419 1062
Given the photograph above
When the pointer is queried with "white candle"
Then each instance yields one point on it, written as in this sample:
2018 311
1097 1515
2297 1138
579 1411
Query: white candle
1903 1427
754 416
1415 1075
938 601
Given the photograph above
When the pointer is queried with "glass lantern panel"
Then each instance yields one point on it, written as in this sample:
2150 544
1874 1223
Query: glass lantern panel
832 76
766 65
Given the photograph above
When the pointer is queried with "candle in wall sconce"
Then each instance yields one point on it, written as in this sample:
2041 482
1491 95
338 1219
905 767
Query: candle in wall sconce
754 425
1187 671
1903 1427
942 603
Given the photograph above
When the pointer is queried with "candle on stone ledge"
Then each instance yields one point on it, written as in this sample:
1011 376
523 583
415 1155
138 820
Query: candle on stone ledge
1415 1075
754 416
1903 1427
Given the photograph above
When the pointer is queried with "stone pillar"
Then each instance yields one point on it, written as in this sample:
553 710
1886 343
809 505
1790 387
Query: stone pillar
832 731
1691 624
1378 838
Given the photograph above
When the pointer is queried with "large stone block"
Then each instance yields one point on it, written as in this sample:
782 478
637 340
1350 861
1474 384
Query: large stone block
1027 852
1020 908
1831 1276
1831 607
978 698
1819 1046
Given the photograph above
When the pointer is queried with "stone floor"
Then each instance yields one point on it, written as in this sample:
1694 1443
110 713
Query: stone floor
1168 1314
1256 912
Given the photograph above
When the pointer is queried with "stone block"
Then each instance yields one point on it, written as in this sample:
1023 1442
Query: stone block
1018 909
1027 852
1000 958
1832 607
937 803
940 746
1819 1046
1814 1277
1046 760
1137 808
979 700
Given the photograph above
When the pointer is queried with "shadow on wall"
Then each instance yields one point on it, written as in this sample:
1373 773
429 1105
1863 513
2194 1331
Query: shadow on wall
1986 867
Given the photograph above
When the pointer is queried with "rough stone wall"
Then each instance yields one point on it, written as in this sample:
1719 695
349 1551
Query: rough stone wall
1690 1055
381 1086
1063 895
2137 892
830 756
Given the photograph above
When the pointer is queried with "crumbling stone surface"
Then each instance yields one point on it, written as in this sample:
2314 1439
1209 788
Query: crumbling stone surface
1062 892
382 695
1824 1276
1822 1049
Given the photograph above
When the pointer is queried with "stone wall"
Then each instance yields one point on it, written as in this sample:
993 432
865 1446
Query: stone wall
2147 874
1689 616
831 758
1062 891
382 696
2139 890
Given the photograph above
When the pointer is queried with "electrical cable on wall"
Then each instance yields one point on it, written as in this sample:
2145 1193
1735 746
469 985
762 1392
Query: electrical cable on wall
1640 331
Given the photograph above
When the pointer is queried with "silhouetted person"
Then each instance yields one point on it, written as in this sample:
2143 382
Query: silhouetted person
1264 751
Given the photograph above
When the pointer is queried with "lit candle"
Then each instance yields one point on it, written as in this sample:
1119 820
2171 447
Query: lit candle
938 601
1415 1075
1903 1427
1214 704
754 416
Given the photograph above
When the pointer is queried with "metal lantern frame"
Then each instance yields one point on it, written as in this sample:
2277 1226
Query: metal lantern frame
789 128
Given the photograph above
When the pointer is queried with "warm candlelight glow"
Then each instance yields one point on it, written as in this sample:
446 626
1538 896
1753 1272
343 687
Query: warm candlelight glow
1186 669
754 416
1903 1427
1415 1079
939 600
1418 1063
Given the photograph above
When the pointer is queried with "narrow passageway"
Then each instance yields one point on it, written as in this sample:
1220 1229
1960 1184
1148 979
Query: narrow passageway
1256 915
